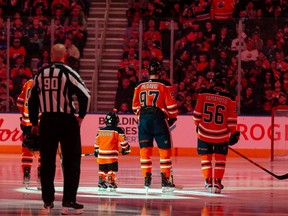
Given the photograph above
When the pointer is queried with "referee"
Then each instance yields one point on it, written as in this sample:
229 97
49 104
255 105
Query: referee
51 95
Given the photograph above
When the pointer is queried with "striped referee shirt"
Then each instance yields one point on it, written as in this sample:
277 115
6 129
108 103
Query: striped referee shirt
53 89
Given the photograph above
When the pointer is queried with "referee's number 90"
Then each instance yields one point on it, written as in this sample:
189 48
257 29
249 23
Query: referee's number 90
51 83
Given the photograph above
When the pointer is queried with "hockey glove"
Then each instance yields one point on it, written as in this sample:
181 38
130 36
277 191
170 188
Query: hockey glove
171 121
126 151
234 138
96 152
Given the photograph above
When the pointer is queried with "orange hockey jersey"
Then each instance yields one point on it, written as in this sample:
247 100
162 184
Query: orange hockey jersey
155 93
107 141
222 9
22 103
215 116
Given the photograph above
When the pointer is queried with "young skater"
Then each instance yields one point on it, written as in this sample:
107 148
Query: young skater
106 150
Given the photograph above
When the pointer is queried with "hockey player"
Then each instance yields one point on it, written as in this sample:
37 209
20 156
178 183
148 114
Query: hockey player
216 120
106 150
155 104
27 152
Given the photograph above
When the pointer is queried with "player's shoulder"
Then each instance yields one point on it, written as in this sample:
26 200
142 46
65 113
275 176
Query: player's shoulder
160 81
112 128
215 91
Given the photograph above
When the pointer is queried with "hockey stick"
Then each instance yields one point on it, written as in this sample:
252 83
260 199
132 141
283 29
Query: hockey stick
92 154
279 177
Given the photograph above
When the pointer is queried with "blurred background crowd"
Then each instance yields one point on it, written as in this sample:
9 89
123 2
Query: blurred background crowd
208 38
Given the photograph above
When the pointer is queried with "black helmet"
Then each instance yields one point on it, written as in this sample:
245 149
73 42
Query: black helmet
219 80
112 119
32 142
155 67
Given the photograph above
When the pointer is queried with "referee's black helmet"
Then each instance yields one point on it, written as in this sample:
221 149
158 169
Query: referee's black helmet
112 119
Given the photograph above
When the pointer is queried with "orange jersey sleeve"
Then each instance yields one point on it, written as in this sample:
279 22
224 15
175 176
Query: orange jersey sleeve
155 93
107 141
215 115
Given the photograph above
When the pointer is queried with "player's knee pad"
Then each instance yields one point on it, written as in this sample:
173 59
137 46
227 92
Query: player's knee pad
220 157
165 153
146 152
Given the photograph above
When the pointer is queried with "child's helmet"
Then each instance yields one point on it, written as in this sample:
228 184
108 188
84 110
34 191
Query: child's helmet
112 119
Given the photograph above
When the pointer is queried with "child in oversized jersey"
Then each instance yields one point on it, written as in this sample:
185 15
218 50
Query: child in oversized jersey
106 150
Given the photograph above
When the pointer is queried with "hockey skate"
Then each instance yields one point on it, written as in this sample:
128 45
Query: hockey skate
38 179
208 185
72 208
102 185
167 184
147 181
26 177
112 186
48 206
218 186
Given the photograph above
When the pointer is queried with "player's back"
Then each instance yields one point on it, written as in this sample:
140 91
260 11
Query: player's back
215 115
154 93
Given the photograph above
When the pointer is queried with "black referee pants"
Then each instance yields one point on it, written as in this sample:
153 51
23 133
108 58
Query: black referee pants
63 128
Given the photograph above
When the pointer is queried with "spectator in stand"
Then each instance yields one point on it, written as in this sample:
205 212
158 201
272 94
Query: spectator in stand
278 88
59 32
188 105
282 99
41 17
270 49
20 78
124 93
248 102
131 53
59 16
152 32
124 108
36 35
258 42
250 55
72 54
281 65
44 4
3 99
16 49
180 45
249 10
187 18
130 13
44 59
20 63
209 32
144 69
180 66
77 14
17 26
203 63
285 82
3 31
223 61
262 57
133 29
151 13
79 34
2 61
63 5
223 40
